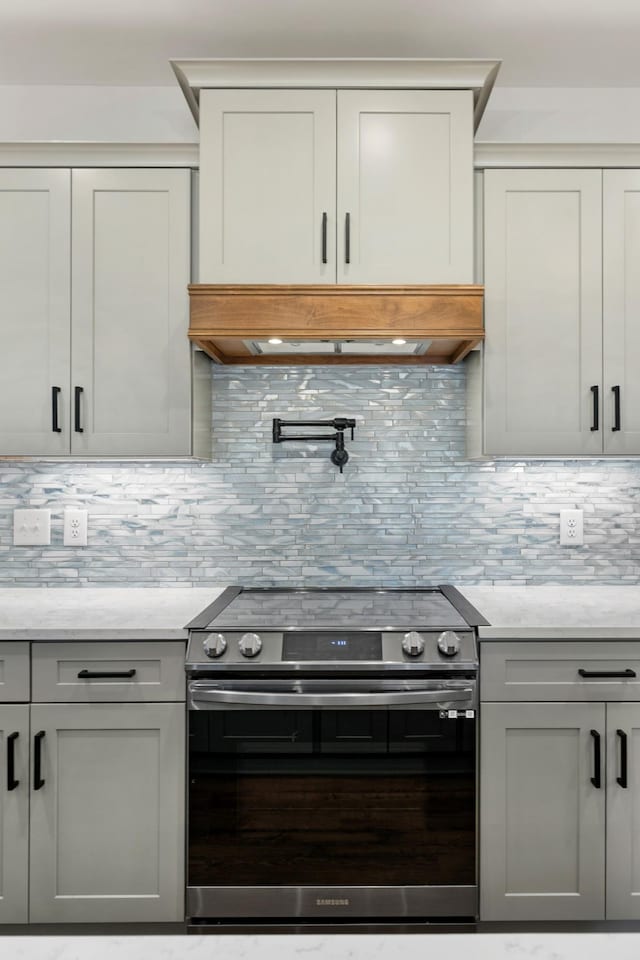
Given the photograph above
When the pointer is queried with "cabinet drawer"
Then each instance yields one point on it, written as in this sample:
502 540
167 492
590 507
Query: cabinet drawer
14 672
552 670
70 672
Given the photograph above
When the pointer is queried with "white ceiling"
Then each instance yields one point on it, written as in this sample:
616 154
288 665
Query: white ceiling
542 42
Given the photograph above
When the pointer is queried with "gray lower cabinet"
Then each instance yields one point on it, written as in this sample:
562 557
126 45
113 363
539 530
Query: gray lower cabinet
623 811
14 811
107 816
542 819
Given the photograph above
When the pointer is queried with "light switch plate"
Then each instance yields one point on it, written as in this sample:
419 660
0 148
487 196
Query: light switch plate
31 528
75 528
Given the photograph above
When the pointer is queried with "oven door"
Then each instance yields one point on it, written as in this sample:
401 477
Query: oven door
328 798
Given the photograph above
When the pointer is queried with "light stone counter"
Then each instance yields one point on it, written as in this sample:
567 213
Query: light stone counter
87 613
553 946
557 613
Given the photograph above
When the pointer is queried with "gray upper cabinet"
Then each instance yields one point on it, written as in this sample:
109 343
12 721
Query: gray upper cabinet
542 820
621 301
95 268
268 186
130 353
543 312
35 330
405 183
562 298
318 186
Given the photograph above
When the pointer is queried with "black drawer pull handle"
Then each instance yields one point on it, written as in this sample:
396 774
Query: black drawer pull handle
12 783
106 674
78 391
324 238
622 780
55 393
38 781
596 778
596 408
621 674
616 409
347 238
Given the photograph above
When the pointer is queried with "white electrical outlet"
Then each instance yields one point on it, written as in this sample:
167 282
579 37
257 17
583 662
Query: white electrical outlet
571 528
75 528
31 528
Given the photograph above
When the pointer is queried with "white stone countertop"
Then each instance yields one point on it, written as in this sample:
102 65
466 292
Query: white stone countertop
88 613
550 946
160 613
557 613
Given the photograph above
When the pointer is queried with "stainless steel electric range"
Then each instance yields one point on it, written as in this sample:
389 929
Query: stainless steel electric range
332 755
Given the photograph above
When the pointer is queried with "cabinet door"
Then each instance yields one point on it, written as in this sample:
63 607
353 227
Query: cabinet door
542 820
130 352
107 824
623 811
268 177
621 303
35 279
543 311
405 181
14 812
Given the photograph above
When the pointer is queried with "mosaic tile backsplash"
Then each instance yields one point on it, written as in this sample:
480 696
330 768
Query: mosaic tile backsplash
409 508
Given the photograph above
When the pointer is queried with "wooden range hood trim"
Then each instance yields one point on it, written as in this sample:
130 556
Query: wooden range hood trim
224 315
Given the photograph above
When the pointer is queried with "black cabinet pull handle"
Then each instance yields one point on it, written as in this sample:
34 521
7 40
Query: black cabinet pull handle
324 238
104 674
347 238
596 408
596 779
38 781
55 393
616 408
12 783
622 779
621 674
78 391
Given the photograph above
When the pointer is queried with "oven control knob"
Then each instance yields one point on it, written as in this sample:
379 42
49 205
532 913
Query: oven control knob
413 644
250 644
449 643
214 644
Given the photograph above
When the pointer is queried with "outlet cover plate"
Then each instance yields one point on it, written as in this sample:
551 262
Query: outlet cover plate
571 532
31 528
75 528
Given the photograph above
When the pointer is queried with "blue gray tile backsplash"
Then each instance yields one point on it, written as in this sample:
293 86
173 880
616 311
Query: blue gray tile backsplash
409 508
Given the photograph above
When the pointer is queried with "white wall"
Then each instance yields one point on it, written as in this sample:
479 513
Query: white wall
160 114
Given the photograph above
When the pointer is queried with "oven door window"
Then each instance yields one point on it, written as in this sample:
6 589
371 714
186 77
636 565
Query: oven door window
366 797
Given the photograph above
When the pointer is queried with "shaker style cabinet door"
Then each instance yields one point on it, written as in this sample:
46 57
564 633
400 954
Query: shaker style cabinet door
543 312
623 811
35 255
130 353
267 186
14 812
621 302
405 186
107 812
542 817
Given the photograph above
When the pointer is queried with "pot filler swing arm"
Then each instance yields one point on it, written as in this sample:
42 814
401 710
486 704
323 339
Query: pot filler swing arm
339 456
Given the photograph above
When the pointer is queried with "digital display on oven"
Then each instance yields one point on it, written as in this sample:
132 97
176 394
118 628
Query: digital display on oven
325 645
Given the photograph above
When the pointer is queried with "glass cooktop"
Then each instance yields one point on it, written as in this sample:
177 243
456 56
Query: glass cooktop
339 609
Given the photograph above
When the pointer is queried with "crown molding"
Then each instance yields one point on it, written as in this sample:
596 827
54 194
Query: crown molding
76 153
478 76
488 155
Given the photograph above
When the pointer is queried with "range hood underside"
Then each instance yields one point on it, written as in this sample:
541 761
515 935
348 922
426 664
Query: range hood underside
440 323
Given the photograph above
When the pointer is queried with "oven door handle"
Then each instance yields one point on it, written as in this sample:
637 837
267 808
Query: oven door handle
388 699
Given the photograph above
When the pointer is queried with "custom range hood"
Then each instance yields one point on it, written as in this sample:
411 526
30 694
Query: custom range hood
336 209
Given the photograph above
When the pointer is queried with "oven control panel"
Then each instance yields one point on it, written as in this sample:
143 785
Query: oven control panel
438 649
